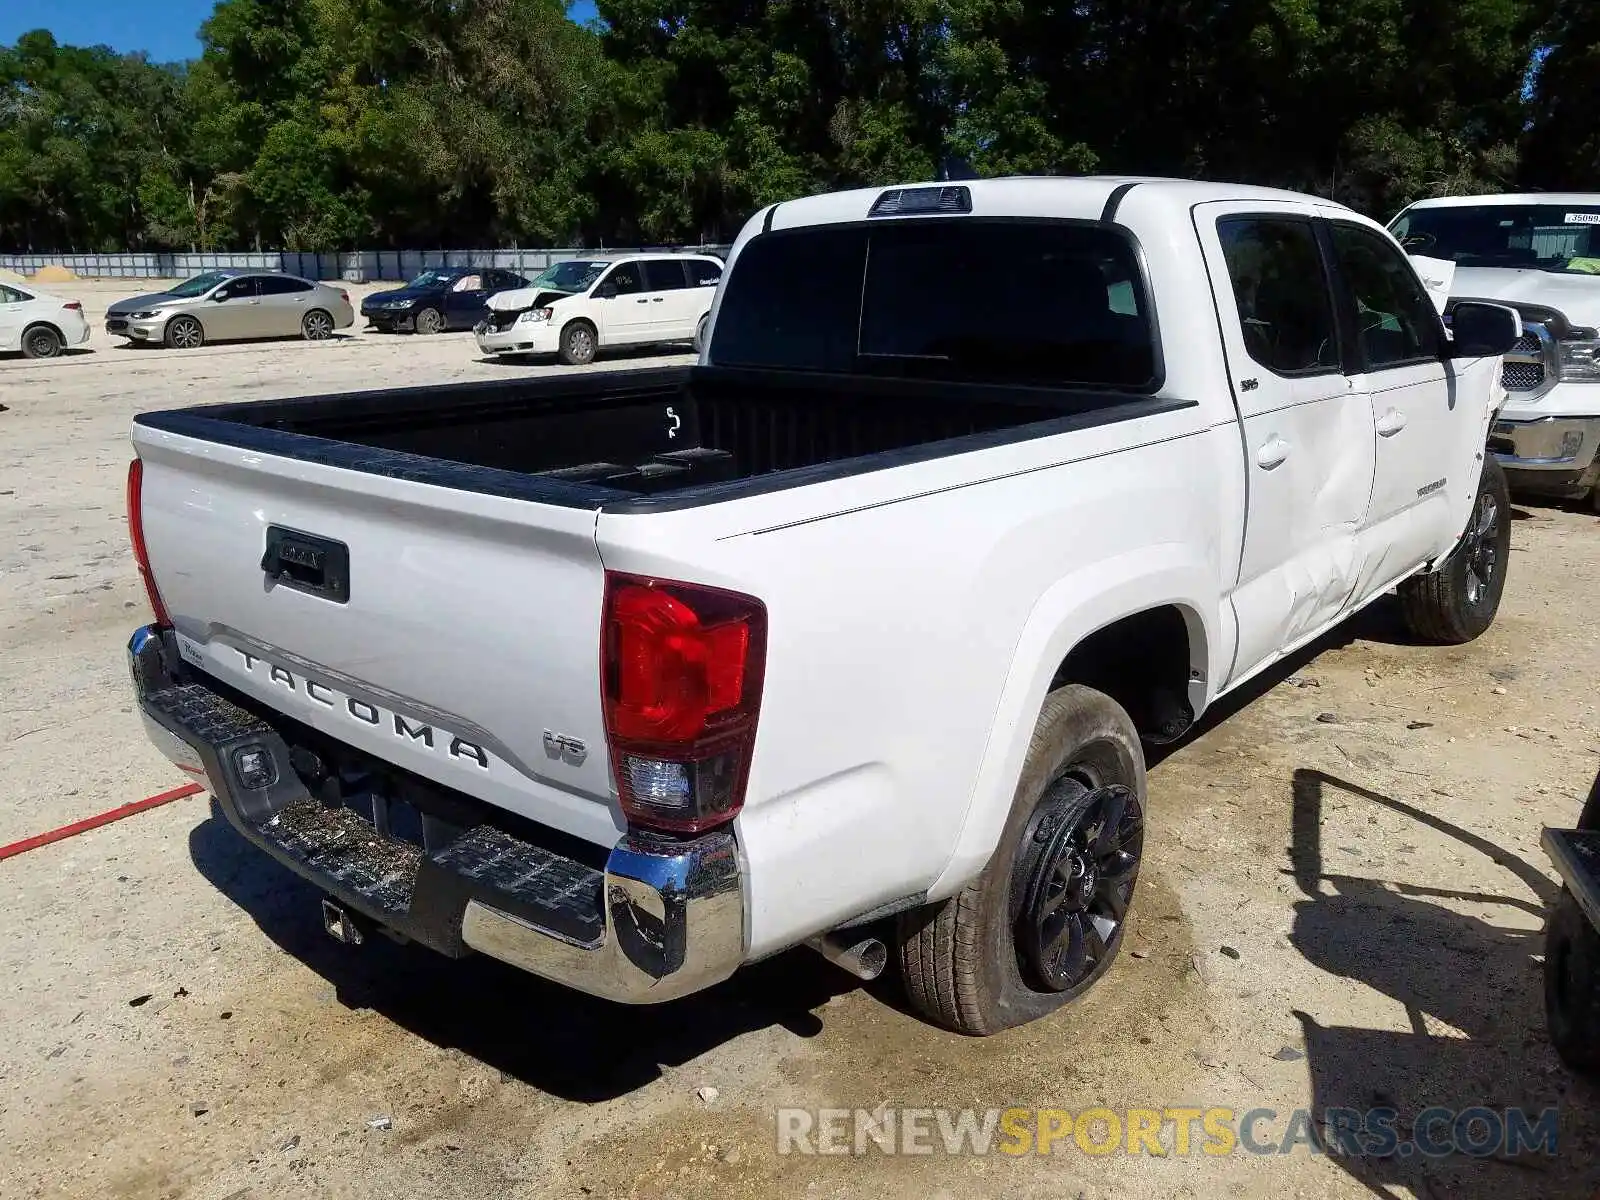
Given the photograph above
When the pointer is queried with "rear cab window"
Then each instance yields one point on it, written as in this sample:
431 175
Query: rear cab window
1028 302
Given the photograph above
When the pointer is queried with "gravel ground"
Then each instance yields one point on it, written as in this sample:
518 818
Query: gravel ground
1340 908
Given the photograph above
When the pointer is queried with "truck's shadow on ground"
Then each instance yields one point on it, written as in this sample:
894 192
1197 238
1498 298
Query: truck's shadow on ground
557 1040
1473 974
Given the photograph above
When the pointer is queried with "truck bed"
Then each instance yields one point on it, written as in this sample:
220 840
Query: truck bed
648 439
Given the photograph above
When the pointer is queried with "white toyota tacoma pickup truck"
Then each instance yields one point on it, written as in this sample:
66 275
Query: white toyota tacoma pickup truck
1540 254
849 636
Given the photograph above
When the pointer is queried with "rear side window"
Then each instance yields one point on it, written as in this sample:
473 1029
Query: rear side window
279 285
1281 290
704 274
1044 303
1396 321
12 296
663 275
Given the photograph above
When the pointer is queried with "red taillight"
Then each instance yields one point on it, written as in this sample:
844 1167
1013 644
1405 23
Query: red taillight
136 535
344 295
681 670
74 305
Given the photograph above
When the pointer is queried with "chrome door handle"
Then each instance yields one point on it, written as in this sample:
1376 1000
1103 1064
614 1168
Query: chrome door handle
1391 423
1272 454
642 300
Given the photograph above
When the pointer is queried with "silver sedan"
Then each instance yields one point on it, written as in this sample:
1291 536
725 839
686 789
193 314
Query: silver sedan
233 306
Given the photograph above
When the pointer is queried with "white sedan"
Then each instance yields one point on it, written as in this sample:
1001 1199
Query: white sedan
38 325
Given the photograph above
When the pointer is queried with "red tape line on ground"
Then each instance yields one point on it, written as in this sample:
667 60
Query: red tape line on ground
105 818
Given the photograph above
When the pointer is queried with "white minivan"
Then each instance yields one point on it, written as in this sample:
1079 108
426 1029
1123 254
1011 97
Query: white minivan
579 307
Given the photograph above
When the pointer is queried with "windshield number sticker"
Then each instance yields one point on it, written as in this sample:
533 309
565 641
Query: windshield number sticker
1583 218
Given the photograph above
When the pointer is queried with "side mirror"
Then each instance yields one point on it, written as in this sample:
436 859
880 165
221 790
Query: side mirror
218 296
1480 330
606 291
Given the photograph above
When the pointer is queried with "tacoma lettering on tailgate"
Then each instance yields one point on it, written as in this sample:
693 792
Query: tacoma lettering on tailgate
395 723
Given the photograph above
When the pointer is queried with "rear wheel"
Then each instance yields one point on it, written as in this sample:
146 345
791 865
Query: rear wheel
184 333
42 341
1458 602
316 325
428 320
700 334
1572 985
1045 919
578 344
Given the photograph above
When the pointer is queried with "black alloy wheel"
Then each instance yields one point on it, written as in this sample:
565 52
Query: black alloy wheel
1074 881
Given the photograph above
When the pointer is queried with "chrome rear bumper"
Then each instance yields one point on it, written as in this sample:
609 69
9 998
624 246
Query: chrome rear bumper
661 919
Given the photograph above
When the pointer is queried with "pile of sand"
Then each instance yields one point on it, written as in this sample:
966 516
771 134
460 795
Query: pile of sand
53 274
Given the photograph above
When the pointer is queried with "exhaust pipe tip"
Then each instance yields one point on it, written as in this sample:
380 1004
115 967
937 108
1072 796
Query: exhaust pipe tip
865 958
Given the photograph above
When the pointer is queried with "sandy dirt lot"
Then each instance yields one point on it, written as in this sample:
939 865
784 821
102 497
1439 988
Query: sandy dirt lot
1341 908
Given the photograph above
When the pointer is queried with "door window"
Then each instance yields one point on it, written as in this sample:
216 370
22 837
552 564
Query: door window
663 275
468 283
1396 320
12 296
1281 292
238 289
281 285
625 279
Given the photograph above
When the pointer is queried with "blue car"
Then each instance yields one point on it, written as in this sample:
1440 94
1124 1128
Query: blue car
439 299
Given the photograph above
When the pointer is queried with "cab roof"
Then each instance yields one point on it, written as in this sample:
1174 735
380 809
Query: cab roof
1084 197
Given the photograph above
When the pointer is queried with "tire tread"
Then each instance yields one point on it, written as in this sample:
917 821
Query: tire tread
943 948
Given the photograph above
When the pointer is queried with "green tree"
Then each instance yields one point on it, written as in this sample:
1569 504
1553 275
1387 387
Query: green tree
80 131
322 124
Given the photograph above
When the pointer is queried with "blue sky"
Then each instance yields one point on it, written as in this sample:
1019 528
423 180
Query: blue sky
163 29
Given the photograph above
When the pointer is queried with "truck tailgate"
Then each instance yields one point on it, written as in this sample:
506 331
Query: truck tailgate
462 642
